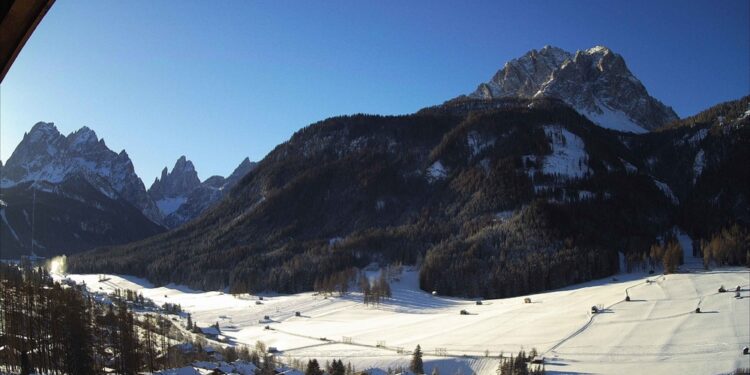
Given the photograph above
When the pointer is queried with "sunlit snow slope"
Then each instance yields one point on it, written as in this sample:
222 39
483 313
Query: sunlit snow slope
658 331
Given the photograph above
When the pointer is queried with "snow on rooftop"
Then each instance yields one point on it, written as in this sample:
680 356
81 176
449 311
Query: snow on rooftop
187 370
210 330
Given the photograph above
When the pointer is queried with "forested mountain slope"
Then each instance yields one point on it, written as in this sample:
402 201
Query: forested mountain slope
509 197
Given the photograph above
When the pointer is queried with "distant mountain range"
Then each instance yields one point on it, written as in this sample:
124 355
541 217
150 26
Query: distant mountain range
76 179
550 174
181 196
544 177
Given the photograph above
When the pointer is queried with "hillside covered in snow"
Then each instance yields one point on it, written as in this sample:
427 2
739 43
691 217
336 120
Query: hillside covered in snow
658 330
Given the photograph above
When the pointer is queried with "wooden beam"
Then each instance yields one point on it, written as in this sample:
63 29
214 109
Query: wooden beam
18 19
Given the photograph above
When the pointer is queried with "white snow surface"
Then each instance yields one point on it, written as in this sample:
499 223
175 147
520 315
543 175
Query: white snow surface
698 164
169 205
696 138
667 191
436 171
657 332
585 195
629 167
568 157
477 143
611 119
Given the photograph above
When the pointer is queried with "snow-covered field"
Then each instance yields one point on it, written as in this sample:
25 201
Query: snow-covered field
657 332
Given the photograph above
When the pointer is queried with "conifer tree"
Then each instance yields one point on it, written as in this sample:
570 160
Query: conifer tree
313 368
416 366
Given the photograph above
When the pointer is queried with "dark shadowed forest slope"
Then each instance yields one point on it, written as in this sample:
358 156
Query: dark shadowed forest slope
493 197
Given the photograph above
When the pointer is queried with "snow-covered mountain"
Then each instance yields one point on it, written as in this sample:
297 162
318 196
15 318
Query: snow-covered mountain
45 155
171 190
71 193
88 196
181 196
596 82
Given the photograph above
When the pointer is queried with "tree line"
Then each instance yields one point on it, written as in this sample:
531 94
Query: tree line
53 328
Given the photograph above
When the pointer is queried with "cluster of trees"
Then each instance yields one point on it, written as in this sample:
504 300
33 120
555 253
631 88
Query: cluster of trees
43 327
670 255
730 246
519 256
729 110
46 327
132 296
336 282
374 293
519 365
336 367
172 308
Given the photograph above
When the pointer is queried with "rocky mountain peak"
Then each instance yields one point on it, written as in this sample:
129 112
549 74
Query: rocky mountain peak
45 155
83 137
42 132
180 182
596 82
42 127
181 197
183 166
244 168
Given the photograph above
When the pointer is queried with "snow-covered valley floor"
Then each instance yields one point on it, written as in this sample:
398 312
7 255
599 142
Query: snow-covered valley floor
657 332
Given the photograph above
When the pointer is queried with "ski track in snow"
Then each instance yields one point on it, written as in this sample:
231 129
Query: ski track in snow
657 331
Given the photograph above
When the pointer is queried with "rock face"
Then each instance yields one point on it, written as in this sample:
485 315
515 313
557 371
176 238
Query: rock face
74 192
88 196
181 196
46 155
595 82
181 181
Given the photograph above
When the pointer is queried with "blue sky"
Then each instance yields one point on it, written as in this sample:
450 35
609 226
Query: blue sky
221 80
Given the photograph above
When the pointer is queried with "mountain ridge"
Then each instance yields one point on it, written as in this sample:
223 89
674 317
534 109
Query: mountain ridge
470 191
79 178
181 196
45 154
596 82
